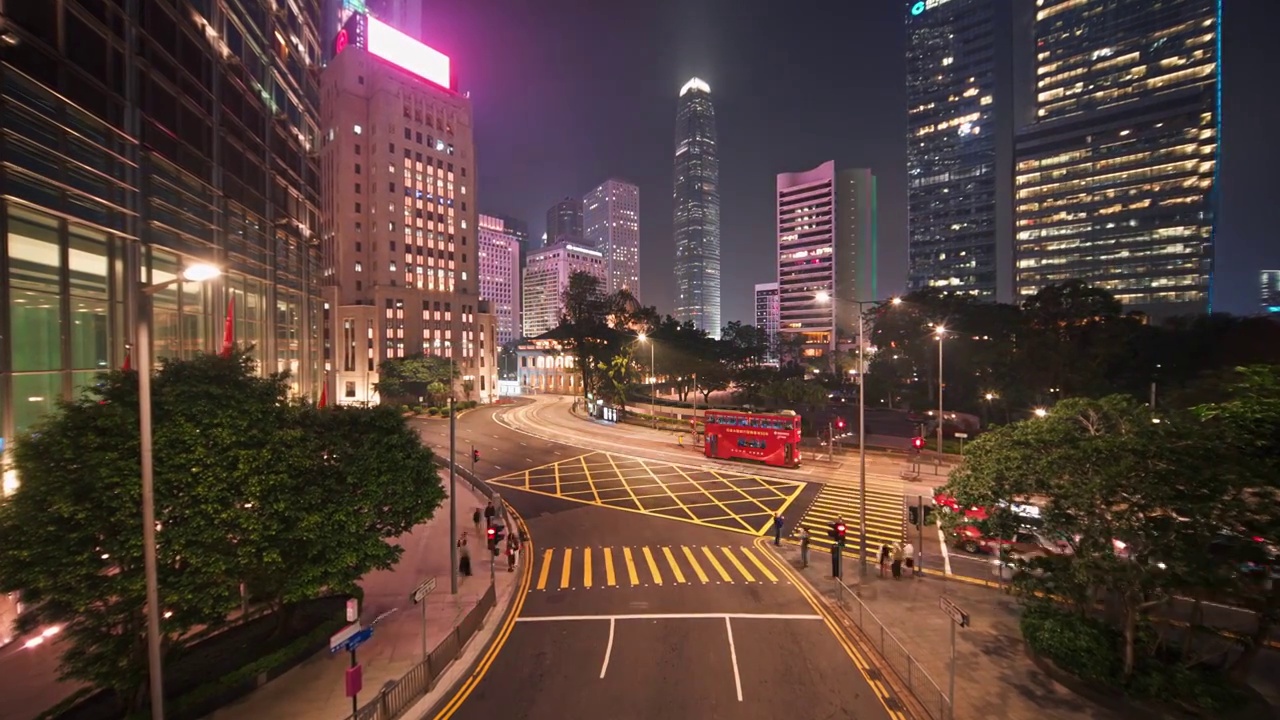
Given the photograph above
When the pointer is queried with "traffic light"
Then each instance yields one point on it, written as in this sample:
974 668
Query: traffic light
917 443
837 533
475 455
495 537
839 423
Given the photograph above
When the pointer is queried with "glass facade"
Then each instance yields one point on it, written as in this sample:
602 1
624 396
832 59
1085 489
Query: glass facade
1115 182
952 144
137 138
697 210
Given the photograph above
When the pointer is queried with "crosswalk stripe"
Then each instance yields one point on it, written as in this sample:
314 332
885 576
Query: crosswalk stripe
586 567
697 569
759 565
546 568
716 564
653 566
675 569
741 568
631 567
568 565
609 579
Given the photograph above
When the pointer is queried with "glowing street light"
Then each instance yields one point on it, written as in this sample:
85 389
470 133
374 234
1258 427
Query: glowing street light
1040 412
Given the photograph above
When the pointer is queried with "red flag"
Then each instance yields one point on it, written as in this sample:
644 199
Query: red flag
228 330
324 394
128 360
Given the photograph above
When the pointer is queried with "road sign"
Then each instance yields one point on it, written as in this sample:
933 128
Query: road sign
962 436
422 590
339 638
953 611
353 610
355 641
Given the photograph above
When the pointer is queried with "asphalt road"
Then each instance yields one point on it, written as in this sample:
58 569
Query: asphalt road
635 615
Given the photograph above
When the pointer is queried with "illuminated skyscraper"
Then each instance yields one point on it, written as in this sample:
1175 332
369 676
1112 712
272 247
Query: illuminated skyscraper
767 316
400 238
1116 179
611 222
960 125
697 210
1270 291
499 268
546 277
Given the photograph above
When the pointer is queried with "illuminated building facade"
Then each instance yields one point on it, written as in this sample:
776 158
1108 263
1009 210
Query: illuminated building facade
826 245
611 221
564 222
767 316
697 210
400 235
546 277
1270 291
1116 180
961 114
500 276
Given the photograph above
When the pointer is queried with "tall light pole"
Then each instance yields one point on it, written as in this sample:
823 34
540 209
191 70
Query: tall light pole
940 332
453 481
653 380
862 421
198 272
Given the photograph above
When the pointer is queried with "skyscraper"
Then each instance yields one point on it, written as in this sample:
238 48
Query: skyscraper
611 218
499 268
1116 178
697 210
546 277
564 222
400 225
826 240
1270 291
767 316
961 114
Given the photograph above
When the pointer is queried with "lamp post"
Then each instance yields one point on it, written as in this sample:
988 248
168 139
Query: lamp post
862 421
198 272
653 380
453 482
940 332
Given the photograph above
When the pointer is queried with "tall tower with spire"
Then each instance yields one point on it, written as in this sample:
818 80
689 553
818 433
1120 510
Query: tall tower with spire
697 210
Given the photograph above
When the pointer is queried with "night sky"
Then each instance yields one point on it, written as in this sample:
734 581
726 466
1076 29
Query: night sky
567 93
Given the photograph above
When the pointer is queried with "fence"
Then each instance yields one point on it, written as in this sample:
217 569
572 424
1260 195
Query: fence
398 697
907 668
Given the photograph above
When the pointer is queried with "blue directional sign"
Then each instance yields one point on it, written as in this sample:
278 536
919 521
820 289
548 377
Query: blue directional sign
350 638
355 641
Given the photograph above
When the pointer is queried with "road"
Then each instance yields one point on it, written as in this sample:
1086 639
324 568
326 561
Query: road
650 596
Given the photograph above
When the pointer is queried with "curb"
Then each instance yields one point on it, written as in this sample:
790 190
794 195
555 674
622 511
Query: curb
443 700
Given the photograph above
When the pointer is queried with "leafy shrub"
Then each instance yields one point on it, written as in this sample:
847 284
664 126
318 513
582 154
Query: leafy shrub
444 412
1083 646
433 411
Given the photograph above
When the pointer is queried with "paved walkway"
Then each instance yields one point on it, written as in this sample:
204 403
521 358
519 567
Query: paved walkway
315 689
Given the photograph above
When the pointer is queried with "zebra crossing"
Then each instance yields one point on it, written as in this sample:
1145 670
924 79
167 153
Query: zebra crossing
582 568
886 518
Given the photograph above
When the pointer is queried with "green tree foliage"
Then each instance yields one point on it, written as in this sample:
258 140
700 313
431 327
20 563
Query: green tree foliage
618 376
406 379
590 324
1104 472
249 488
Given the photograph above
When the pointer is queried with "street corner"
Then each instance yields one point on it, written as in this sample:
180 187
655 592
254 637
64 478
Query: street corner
711 497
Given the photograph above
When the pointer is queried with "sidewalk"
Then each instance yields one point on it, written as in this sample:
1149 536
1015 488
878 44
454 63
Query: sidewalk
314 690
994 677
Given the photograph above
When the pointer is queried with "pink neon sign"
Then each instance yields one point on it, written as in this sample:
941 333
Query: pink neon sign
408 54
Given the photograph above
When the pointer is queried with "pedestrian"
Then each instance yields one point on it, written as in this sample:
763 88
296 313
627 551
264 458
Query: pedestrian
884 560
680 439
778 520
475 520
804 548
489 512
464 556
513 550
909 557
896 567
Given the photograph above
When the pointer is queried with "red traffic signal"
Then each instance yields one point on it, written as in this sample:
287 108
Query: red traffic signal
839 423
493 534
917 443
475 456
840 529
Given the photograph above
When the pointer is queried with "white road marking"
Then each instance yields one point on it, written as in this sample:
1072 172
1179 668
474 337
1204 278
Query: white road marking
733 655
524 443
668 616
608 650
946 554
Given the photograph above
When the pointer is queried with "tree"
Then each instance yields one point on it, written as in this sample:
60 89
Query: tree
407 379
1104 472
618 375
584 327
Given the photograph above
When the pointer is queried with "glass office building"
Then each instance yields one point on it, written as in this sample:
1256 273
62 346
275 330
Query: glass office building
697 210
138 138
1116 179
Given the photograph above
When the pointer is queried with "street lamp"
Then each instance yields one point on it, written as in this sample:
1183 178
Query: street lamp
196 272
653 379
1040 412
862 421
940 332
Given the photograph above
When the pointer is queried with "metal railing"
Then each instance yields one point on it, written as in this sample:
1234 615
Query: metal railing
908 669
399 696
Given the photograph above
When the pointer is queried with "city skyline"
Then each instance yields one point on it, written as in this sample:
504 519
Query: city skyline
696 196
760 137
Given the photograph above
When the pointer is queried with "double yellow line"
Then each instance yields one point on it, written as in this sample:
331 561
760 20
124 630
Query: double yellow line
820 607
521 591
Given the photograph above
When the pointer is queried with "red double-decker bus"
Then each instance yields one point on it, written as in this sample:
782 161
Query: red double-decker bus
770 438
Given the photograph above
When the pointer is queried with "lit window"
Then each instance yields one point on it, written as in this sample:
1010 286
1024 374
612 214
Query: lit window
359 267
357 129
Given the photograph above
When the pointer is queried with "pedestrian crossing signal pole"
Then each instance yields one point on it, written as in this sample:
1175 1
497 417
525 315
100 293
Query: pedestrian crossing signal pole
837 548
